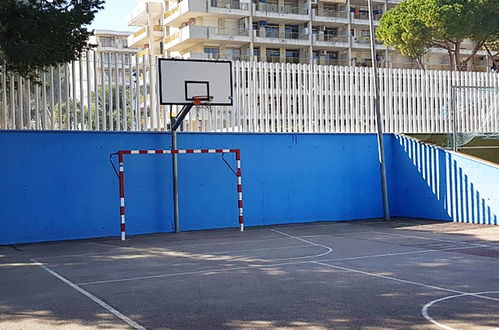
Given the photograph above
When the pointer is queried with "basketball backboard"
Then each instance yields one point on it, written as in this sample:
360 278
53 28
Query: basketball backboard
180 81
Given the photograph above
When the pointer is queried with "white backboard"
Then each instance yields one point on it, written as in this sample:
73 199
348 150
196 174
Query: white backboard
181 80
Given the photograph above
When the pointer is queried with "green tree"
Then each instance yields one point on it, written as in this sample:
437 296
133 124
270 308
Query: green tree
35 34
413 26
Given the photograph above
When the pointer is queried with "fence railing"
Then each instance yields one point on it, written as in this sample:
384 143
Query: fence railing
116 92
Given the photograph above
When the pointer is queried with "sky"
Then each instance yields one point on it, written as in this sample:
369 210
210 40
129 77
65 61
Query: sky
113 16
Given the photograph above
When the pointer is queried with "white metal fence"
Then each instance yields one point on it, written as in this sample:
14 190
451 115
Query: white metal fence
117 92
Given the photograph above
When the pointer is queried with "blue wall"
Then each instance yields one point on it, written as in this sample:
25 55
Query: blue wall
60 185
433 183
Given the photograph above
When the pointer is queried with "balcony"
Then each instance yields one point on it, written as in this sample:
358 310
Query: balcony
139 38
330 16
229 7
185 11
330 40
364 42
365 16
139 14
228 34
270 10
186 37
289 38
362 18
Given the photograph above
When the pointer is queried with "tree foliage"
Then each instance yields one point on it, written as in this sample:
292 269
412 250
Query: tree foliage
38 33
413 26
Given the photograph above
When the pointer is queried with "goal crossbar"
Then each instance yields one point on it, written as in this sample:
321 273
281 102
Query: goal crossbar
121 175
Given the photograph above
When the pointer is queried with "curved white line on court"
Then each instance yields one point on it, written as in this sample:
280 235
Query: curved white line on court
329 249
426 315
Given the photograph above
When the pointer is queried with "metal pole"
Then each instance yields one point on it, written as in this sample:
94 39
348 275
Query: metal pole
453 110
176 215
379 125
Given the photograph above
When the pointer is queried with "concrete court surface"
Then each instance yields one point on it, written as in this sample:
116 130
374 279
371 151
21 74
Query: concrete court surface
403 274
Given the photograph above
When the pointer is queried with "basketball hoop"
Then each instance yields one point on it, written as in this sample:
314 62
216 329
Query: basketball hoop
198 100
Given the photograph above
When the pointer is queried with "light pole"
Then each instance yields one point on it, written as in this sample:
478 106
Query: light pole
379 123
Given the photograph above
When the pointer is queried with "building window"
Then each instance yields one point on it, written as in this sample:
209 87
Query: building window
212 52
272 31
107 42
272 55
233 54
291 31
292 56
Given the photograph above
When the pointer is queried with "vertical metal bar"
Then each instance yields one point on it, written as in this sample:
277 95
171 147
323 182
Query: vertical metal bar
103 90
82 95
152 106
110 92
176 213
59 95
379 124
73 81
96 93
66 72
130 92
137 94
453 108
117 92
44 100
37 106
145 126
28 123
52 98
21 105
89 96
12 101
4 94
123 93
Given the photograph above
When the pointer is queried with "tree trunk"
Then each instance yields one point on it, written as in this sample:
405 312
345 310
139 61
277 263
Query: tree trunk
457 54
419 60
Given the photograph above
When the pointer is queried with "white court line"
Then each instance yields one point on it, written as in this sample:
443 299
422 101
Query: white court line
236 241
428 238
306 241
213 270
353 270
426 315
156 252
218 270
92 297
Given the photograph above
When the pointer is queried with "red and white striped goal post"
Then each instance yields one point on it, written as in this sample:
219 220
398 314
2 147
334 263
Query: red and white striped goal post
121 176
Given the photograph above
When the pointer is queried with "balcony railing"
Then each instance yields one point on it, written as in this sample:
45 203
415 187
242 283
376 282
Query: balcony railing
139 32
223 31
366 40
172 11
172 37
282 35
332 13
286 9
376 17
229 4
333 38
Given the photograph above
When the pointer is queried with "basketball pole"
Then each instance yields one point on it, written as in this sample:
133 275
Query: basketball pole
174 124
379 124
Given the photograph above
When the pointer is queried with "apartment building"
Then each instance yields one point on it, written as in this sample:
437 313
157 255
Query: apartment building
334 32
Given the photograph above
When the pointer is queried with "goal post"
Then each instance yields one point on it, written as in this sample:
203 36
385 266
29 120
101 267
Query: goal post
474 113
121 176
